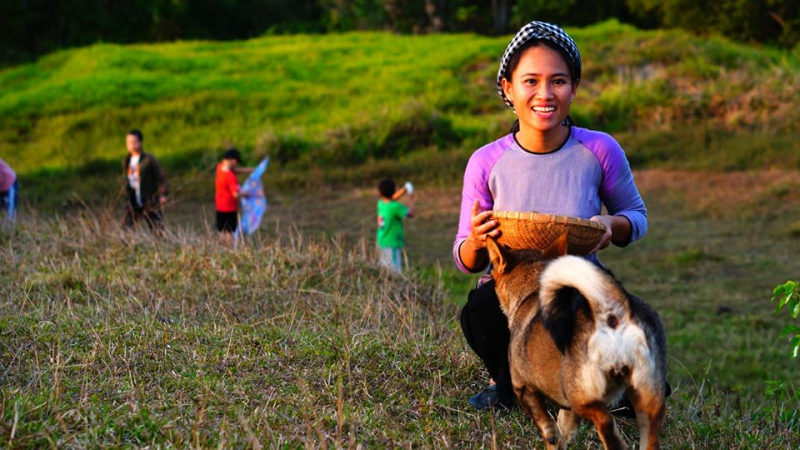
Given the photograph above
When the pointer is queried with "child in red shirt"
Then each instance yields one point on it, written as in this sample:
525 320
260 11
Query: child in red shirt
227 193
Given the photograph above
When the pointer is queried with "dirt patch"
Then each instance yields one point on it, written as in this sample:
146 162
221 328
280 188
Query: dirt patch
721 195
349 214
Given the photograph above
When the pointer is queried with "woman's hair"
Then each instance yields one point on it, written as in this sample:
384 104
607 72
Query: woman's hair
514 61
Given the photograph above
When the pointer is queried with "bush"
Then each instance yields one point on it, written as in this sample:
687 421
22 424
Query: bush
788 295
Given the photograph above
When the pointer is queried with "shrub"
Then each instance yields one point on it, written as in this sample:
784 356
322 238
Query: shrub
788 295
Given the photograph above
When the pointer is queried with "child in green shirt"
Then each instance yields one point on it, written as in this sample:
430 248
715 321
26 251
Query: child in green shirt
391 236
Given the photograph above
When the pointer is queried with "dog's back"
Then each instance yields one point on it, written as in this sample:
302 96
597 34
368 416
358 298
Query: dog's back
579 339
612 340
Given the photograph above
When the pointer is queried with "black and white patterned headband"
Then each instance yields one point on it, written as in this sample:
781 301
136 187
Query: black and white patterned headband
542 31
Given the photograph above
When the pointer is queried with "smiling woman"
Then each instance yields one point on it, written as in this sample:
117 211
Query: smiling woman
546 164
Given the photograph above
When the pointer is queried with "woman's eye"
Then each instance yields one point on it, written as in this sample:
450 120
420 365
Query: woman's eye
559 82
531 82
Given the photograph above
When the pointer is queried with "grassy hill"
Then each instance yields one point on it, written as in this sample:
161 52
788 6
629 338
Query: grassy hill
115 338
290 95
351 107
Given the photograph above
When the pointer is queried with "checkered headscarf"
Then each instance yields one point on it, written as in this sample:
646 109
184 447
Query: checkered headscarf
541 31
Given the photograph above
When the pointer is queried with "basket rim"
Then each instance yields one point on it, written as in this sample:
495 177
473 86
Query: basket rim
548 218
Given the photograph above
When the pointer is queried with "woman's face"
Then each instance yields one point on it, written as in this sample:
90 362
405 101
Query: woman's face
540 89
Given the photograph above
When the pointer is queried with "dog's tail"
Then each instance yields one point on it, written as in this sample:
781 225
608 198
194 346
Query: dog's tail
570 285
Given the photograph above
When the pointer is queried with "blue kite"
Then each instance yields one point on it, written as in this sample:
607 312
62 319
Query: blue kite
254 203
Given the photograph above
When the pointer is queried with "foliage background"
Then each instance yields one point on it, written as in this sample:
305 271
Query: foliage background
350 111
31 28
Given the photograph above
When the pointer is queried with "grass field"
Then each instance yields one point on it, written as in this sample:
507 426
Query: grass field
297 339
112 338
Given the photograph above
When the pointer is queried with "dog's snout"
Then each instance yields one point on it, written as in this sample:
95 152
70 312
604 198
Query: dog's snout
612 321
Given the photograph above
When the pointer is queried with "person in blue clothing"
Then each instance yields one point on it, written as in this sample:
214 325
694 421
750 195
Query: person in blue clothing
9 186
391 238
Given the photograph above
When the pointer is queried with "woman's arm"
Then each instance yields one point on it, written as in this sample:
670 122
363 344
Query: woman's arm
472 251
626 219
618 231
474 225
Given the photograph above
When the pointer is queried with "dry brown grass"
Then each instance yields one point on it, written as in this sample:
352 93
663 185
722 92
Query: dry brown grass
349 214
296 339
723 195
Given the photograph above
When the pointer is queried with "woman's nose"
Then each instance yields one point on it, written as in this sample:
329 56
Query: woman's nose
544 91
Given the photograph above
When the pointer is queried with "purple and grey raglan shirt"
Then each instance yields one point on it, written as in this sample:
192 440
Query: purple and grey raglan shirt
590 170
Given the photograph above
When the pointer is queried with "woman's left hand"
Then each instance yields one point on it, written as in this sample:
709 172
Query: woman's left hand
608 222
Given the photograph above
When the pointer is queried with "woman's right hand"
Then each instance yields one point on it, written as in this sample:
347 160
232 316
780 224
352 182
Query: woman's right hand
472 252
482 227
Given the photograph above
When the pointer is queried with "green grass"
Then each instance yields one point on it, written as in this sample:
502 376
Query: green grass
345 105
299 92
114 338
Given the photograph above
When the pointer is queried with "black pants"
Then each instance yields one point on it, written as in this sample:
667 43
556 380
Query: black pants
150 214
486 329
227 221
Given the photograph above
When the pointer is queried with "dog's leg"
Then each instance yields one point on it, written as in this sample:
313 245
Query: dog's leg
650 410
533 404
567 425
598 414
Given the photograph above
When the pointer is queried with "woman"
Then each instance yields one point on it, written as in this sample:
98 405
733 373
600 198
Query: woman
545 164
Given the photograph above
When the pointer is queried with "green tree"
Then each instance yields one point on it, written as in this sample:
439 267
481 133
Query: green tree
29 28
569 12
768 21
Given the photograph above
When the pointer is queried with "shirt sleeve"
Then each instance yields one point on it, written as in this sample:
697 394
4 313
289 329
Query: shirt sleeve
162 179
402 210
233 184
618 191
476 186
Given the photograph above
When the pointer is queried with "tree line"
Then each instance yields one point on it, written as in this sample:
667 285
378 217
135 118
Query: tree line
31 28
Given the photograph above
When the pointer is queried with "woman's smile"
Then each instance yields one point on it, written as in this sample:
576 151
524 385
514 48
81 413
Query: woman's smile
544 112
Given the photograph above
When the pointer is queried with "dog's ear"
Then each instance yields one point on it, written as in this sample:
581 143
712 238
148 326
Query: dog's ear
557 248
497 256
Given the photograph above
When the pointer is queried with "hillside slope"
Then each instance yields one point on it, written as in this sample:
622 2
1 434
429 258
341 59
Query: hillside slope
328 102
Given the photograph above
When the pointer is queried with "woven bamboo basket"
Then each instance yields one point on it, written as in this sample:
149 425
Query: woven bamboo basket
533 230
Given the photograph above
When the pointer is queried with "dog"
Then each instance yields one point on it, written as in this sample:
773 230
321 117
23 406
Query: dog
581 341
